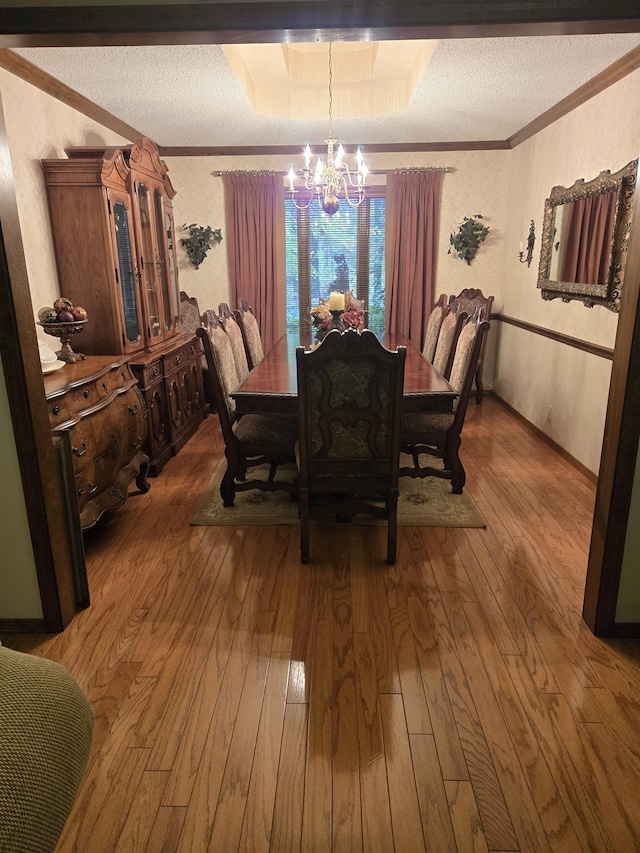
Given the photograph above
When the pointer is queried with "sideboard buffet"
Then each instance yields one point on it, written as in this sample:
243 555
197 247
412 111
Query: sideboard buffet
98 403
114 237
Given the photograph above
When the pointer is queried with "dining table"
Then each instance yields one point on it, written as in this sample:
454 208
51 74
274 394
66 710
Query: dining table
272 386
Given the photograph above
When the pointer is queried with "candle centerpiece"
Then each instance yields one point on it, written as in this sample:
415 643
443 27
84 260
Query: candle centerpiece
336 301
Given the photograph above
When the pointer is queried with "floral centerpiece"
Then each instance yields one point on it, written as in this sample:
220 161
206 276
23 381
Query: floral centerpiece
348 314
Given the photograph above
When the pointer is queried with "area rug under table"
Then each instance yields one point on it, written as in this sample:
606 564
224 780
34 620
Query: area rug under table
423 503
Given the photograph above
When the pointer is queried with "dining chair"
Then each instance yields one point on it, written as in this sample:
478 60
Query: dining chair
349 409
234 333
252 440
434 323
190 312
250 333
439 434
450 329
470 300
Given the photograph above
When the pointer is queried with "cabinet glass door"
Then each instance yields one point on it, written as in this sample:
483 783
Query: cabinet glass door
148 265
174 287
165 265
126 275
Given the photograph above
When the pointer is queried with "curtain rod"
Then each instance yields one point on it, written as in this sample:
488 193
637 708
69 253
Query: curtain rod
220 173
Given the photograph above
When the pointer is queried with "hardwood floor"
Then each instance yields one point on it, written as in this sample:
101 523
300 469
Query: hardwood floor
452 702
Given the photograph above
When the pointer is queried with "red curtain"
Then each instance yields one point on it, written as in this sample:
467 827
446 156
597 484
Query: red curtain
413 208
252 205
587 239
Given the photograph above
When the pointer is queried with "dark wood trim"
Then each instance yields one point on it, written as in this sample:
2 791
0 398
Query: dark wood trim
597 84
295 150
30 73
298 20
586 346
25 391
24 626
619 453
544 437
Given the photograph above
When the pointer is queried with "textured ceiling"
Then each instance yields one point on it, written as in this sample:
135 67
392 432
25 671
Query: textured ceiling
472 90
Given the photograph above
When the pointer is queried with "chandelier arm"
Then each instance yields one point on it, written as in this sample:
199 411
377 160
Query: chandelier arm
301 206
347 198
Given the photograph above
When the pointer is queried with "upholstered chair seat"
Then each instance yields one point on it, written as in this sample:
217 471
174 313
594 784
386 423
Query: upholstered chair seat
422 422
275 430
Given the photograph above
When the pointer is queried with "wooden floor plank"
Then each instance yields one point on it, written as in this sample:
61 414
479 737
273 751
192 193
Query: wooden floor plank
453 702
377 831
403 797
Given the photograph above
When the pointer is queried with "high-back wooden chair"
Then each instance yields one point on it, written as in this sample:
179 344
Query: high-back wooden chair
190 313
450 328
439 434
234 333
252 440
250 333
473 301
349 410
434 323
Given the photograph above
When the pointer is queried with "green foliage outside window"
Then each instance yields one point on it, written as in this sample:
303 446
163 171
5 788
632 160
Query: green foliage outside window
329 238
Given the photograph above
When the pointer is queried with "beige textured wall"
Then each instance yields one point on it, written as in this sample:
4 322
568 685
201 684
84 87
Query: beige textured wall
38 126
43 130
479 184
530 372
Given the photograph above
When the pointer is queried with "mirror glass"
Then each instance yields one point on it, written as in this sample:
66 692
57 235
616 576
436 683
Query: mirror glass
584 239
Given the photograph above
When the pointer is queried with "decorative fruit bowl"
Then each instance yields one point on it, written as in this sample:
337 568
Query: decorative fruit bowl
65 331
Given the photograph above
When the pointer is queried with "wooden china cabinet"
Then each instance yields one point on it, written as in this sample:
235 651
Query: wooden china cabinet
114 236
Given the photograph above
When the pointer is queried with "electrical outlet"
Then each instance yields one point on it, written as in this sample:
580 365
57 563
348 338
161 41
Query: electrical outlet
549 411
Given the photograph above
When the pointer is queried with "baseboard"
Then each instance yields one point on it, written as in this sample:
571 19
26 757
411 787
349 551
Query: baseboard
544 437
23 626
625 630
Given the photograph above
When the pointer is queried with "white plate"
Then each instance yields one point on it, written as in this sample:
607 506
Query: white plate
50 366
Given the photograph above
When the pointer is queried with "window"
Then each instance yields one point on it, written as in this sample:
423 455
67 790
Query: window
315 244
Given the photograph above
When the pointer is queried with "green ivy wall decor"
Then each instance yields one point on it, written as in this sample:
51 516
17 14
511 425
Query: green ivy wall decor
199 241
465 241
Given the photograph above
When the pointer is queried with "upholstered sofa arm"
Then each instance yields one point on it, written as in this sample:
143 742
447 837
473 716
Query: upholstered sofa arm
46 727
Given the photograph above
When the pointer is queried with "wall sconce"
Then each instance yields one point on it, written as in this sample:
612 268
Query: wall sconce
531 239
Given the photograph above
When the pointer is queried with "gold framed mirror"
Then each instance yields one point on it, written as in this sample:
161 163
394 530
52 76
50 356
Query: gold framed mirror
584 239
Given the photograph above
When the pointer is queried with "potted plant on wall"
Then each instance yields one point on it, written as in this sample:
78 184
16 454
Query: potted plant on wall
465 240
199 241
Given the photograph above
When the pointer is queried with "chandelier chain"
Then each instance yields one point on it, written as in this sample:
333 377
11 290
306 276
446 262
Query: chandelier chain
330 91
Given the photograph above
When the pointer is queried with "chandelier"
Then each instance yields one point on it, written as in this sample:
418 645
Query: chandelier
328 180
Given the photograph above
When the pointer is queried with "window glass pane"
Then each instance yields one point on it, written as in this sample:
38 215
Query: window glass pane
328 247
377 280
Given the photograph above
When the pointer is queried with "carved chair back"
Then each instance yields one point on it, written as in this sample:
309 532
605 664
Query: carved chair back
190 313
450 328
250 333
473 301
438 313
349 407
234 332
